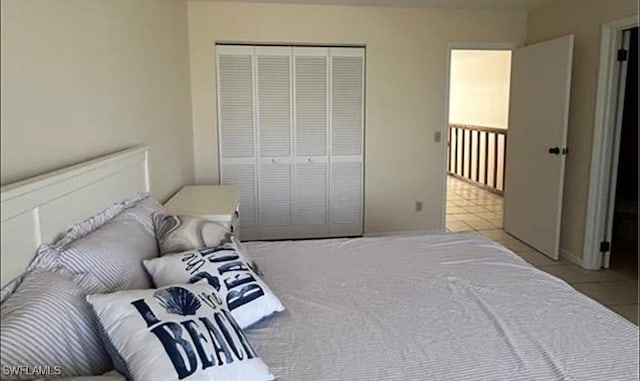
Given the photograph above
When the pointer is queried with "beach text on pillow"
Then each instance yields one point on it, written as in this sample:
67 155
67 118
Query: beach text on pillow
176 332
226 269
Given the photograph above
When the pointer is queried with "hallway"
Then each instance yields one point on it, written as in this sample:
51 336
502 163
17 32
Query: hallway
472 209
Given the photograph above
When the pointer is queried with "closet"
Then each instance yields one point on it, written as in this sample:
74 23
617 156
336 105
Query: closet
290 133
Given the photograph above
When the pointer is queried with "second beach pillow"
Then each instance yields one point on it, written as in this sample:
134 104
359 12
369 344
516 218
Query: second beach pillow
247 296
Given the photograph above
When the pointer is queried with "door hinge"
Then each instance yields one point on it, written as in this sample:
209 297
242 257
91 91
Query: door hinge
623 54
605 246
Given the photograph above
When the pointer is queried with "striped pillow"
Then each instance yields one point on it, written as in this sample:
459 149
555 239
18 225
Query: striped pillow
76 232
109 376
47 322
84 228
9 288
112 254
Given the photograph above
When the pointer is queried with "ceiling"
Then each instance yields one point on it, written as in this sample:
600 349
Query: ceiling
442 4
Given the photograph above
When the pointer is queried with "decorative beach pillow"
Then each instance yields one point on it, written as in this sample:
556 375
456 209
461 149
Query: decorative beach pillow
225 268
178 332
181 233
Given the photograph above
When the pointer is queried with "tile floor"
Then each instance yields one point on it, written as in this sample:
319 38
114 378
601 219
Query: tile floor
470 208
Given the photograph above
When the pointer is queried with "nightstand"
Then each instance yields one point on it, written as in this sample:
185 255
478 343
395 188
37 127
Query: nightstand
217 203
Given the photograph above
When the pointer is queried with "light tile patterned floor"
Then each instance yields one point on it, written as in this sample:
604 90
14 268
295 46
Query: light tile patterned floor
470 208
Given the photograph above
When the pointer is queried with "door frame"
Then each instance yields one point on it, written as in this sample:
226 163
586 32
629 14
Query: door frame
604 149
445 131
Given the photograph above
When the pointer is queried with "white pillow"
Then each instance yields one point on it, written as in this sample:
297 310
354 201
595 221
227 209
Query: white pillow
177 332
246 295
181 233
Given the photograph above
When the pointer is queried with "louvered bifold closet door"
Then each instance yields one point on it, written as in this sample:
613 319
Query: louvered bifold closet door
346 134
275 148
237 130
311 149
291 133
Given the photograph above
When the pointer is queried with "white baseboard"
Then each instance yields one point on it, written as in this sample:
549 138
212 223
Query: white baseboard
569 256
403 232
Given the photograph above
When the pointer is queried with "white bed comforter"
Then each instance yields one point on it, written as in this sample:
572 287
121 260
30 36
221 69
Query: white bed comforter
431 307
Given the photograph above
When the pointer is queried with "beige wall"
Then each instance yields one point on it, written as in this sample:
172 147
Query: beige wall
406 75
584 19
479 87
84 78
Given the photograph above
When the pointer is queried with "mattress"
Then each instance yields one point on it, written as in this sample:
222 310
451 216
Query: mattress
431 307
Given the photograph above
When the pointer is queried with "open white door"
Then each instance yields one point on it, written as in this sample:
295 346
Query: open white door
536 148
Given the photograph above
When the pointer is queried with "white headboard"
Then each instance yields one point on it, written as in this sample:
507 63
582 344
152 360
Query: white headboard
36 210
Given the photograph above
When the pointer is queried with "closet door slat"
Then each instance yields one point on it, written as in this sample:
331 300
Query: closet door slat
346 194
311 129
311 104
274 104
237 130
347 128
236 109
275 194
311 193
243 176
273 94
347 95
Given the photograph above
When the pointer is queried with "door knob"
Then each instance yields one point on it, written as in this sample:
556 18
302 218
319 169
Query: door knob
554 150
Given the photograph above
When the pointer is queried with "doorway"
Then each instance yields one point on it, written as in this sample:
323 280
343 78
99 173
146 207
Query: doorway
624 209
478 121
530 171
607 149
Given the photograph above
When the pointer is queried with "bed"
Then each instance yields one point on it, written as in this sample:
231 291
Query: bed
415 307
432 307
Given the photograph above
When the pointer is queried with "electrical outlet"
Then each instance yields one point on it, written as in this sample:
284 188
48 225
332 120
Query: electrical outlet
418 206
437 136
